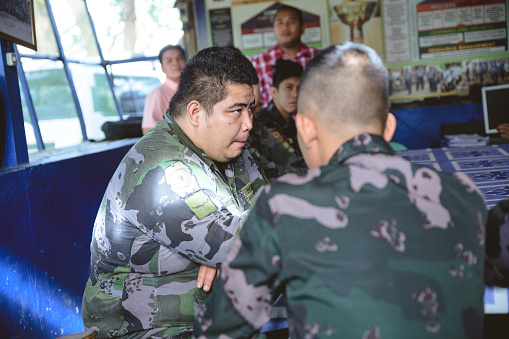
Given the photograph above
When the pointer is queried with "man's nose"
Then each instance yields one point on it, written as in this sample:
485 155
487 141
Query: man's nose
247 123
295 92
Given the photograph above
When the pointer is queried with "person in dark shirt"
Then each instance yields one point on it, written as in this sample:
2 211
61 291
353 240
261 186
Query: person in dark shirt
273 139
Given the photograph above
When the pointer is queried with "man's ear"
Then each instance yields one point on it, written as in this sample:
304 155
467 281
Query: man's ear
306 127
390 127
273 91
194 111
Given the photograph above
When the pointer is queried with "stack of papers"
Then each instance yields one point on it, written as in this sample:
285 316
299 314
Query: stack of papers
465 140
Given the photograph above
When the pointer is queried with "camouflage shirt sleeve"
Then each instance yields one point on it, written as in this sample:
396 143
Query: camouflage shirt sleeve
241 300
179 205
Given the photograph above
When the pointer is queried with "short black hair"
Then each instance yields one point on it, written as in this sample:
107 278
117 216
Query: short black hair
346 84
167 48
284 69
206 76
300 16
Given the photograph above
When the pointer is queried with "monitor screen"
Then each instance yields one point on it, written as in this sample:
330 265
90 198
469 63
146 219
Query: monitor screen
495 100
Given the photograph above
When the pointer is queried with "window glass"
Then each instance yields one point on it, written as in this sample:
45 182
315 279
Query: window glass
75 29
95 97
46 43
133 82
53 102
29 127
135 27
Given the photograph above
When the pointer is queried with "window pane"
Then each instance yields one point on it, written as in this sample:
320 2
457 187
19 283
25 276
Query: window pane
46 43
133 82
29 127
135 27
53 103
95 96
75 30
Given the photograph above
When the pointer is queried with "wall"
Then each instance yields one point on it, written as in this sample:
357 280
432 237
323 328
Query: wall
46 218
419 126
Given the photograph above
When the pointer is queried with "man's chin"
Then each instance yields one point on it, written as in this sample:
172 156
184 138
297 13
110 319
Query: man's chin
289 43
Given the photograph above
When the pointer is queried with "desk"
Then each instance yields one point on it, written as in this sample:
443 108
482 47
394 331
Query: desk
488 167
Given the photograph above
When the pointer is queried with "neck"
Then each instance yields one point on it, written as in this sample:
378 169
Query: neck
330 142
287 116
291 51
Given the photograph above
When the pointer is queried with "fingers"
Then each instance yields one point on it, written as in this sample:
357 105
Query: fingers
206 277
503 129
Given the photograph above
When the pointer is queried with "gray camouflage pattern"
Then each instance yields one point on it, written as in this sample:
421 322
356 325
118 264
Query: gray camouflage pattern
167 209
369 246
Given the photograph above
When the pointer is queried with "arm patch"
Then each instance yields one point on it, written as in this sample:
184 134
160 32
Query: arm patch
200 204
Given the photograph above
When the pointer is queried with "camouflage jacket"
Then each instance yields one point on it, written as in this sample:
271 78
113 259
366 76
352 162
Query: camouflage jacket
369 246
273 141
166 210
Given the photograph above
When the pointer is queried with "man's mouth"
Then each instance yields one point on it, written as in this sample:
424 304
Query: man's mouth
241 141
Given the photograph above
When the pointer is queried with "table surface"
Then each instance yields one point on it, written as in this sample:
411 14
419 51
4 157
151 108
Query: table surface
487 166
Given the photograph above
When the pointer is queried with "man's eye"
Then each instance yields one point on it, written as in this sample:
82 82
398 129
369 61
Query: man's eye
236 111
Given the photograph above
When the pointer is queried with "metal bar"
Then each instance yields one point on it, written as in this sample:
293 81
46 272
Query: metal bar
145 58
39 56
13 151
29 102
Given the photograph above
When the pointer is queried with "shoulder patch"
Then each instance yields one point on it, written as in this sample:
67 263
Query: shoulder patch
180 179
200 204
248 190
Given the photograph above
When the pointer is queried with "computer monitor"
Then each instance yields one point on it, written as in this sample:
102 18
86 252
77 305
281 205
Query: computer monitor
495 101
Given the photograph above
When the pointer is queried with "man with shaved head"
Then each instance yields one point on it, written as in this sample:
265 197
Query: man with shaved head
366 244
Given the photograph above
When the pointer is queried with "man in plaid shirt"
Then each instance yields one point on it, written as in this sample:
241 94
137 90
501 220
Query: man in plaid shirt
288 28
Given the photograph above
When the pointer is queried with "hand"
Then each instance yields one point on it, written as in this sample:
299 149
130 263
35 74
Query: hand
206 277
503 129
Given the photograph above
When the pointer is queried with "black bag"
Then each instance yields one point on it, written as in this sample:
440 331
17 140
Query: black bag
128 128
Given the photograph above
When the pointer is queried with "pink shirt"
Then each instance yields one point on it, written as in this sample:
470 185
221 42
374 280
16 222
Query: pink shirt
263 63
157 102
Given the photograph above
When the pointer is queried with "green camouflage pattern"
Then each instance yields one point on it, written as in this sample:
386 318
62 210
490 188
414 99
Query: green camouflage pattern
274 144
369 246
167 209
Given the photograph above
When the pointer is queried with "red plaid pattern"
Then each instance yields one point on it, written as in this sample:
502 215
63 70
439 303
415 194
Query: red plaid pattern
263 63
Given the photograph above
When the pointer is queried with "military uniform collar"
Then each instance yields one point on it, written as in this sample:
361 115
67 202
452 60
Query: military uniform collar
272 113
362 143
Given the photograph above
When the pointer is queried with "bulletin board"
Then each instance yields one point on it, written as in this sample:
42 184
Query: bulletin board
247 24
432 48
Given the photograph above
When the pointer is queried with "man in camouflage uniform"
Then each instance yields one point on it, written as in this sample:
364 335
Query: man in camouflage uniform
176 201
273 139
366 244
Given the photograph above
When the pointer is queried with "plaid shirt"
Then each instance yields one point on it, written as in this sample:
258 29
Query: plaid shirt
264 62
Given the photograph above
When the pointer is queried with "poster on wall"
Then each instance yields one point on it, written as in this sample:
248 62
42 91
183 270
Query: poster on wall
444 47
357 21
221 27
252 23
17 22
432 48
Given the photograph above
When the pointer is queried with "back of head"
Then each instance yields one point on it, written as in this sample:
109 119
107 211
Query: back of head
345 85
206 76
169 47
285 69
